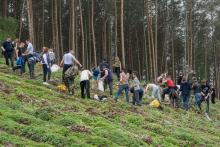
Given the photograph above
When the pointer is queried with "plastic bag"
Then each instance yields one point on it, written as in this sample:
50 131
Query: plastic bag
54 68
100 85
155 103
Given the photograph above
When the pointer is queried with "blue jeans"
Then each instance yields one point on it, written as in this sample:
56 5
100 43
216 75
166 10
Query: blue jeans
46 72
156 93
137 97
198 101
31 69
124 87
185 98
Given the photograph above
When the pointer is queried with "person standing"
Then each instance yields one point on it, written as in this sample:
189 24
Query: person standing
8 51
117 67
107 78
137 96
205 93
29 58
185 88
68 61
20 59
123 85
46 65
85 83
196 87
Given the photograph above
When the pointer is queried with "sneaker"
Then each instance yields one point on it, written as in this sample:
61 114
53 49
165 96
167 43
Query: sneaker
45 83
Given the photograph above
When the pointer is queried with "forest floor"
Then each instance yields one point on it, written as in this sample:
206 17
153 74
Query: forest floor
32 114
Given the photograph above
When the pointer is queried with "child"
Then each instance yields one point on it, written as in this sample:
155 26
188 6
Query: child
46 64
137 96
84 82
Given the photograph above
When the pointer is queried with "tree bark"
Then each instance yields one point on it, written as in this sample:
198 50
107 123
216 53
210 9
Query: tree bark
30 21
122 34
93 35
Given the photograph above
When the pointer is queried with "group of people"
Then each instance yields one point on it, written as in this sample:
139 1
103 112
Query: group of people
24 53
102 77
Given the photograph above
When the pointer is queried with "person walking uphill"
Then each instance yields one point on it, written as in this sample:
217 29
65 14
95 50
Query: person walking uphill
185 88
8 51
46 65
123 85
68 61
84 82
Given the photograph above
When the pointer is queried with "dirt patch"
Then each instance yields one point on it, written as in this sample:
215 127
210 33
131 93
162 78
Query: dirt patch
80 129
25 98
5 88
112 113
92 111
147 139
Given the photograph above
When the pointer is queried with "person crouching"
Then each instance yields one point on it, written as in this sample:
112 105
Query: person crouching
84 82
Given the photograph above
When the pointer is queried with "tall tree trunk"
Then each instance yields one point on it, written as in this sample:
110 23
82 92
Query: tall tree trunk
122 34
116 28
93 35
5 8
43 22
21 17
82 33
30 21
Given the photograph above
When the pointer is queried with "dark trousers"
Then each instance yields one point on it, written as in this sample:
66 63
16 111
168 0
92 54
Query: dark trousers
65 68
9 58
137 97
185 98
69 83
21 68
31 68
110 85
46 72
85 85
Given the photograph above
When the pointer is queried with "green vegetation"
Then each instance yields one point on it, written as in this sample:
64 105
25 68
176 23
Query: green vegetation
34 115
8 28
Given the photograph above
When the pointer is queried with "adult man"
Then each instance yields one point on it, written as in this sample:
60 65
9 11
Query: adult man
68 61
185 88
124 85
8 51
107 77
29 58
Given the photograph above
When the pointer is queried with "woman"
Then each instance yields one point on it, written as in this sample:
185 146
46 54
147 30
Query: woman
46 64
19 58
117 65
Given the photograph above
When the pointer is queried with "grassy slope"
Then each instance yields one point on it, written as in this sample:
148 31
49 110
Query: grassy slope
33 115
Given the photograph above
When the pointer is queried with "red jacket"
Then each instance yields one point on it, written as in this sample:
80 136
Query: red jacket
170 83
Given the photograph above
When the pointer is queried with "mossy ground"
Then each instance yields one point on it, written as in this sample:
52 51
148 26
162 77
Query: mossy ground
34 115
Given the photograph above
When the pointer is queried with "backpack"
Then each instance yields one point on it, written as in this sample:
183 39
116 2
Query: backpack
37 57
